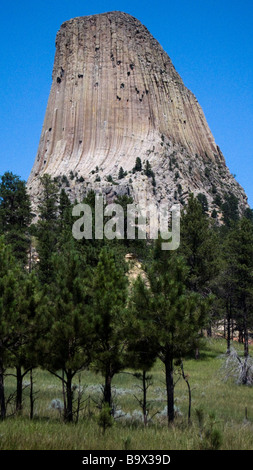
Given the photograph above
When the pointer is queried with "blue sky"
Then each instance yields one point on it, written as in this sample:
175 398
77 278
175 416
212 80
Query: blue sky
210 43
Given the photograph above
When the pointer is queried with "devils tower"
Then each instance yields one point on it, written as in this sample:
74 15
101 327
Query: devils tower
116 96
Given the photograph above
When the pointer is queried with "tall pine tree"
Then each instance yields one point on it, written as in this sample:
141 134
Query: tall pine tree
47 227
66 343
177 314
15 214
109 298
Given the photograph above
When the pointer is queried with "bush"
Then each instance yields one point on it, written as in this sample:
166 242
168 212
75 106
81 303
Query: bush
105 419
138 165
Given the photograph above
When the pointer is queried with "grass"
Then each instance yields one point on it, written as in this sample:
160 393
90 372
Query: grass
222 405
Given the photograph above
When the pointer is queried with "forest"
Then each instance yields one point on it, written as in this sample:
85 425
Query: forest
69 306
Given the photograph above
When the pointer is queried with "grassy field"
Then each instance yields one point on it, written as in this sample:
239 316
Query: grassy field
225 408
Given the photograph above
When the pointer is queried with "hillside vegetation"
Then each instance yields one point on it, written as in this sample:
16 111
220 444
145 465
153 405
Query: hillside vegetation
119 344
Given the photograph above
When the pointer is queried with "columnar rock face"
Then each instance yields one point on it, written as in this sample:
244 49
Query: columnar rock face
116 96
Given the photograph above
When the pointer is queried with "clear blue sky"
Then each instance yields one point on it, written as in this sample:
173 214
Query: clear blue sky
210 43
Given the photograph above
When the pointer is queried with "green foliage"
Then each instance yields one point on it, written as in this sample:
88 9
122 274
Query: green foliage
122 173
203 201
207 172
108 303
65 180
142 344
148 170
214 214
210 437
230 209
9 273
199 246
68 304
15 214
138 165
240 264
65 219
105 419
248 214
18 303
65 314
47 227
77 310
218 200
176 315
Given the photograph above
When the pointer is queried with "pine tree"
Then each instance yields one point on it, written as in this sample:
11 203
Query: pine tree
15 214
19 299
148 170
203 201
138 165
66 344
121 173
177 314
9 272
47 227
240 263
230 210
27 330
109 297
65 220
199 246
142 347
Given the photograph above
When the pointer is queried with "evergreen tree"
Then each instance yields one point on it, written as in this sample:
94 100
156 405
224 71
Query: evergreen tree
109 297
203 201
199 246
240 263
47 227
142 346
230 210
121 173
9 315
248 214
178 315
148 170
27 330
15 214
90 248
66 343
65 220
19 299
138 165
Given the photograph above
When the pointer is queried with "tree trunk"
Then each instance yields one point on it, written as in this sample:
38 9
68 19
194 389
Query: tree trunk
2 397
69 408
228 306
63 391
144 404
209 330
31 394
246 332
169 388
246 342
108 389
19 389
240 335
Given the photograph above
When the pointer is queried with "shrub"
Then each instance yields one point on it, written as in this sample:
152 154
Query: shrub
138 165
